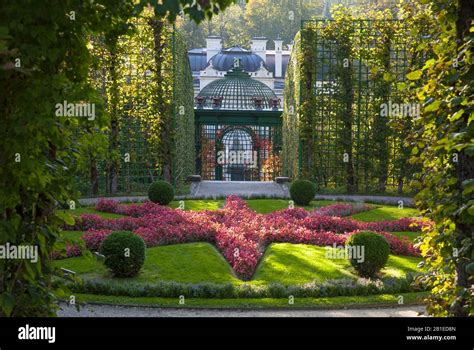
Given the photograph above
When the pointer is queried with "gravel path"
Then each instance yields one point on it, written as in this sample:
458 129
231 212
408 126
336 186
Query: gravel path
135 311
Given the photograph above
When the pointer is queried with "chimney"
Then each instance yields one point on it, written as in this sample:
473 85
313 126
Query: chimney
278 58
259 46
290 46
213 46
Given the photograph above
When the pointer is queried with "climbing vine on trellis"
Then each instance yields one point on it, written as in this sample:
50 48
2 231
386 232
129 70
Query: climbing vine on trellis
443 141
147 87
343 71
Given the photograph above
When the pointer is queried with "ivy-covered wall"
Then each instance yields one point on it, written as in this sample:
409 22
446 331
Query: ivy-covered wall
184 111
345 117
146 83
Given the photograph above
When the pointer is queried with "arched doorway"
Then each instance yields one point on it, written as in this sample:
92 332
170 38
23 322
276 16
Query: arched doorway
237 155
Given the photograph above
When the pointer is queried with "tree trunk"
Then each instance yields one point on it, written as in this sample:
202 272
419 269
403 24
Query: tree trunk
94 178
400 185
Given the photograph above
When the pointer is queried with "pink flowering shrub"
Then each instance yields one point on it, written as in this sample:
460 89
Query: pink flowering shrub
107 205
341 209
403 224
237 231
93 238
72 250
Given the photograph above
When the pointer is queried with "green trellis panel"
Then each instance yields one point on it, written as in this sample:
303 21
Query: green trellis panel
331 99
257 131
136 140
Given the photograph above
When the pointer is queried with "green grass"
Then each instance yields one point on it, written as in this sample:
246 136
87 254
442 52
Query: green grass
91 210
264 206
261 206
73 236
185 263
299 303
200 262
386 213
297 264
197 205
301 263
398 265
410 235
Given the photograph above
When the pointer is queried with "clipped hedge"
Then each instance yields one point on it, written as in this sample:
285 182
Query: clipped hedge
124 253
161 192
165 289
302 192
376 252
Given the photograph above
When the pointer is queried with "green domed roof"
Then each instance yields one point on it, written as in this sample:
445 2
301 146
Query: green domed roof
237 91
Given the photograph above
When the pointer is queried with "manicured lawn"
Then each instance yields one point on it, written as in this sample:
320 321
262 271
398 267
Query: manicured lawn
196 205
262 206
91 210
186 263
386 213
301 263
200 262
297 264
313 303
410 235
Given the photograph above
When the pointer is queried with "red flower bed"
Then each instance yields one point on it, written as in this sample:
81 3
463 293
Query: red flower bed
341 209
238 232
93 238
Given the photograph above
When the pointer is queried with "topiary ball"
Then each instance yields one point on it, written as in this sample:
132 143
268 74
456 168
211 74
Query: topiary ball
302 192
124 253
161 192
375 253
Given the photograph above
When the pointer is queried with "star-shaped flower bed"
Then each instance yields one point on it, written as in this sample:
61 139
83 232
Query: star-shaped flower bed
240 234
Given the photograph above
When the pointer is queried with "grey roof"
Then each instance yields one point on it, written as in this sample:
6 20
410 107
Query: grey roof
197 59
224 61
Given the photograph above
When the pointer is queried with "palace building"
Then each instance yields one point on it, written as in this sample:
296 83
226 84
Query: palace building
266 66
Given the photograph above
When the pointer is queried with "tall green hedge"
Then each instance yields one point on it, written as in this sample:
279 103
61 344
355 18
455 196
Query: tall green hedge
146 83
290 129
340 74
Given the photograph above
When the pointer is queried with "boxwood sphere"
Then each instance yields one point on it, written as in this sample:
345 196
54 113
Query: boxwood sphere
376 252
302 192
124 253
161 192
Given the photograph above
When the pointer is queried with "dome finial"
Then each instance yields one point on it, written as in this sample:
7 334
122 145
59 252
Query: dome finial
237 62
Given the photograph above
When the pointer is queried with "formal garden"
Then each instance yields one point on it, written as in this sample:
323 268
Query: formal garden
104 146
238 253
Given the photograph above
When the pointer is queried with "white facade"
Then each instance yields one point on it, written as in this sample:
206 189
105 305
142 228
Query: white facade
266 66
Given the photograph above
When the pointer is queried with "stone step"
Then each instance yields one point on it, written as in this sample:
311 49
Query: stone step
211 189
